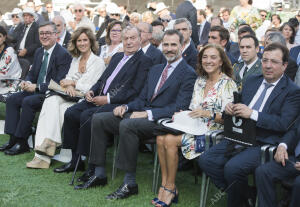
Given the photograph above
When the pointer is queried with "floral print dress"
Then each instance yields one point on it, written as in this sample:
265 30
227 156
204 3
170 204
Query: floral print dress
215 100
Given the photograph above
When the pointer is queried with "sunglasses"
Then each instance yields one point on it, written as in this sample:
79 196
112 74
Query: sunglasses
78 10
165 20
14 16
115 15
262 15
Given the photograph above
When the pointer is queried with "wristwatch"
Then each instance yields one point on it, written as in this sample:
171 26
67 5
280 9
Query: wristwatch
37 88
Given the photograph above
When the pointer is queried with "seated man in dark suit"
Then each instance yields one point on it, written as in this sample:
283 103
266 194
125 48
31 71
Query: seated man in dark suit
28 38
250 64
50 62
149 50
189 51
220 36
168 89
272 100
63 35
282 168
120 83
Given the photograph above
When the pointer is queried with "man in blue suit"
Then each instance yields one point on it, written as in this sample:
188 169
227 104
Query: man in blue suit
285 166
50 62
168 89
152 52
294 53
189 51
272 100
120 83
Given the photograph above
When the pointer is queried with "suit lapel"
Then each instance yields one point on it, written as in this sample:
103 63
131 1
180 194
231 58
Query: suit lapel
276 91
253 68
153 81
249 94
51 61
170 79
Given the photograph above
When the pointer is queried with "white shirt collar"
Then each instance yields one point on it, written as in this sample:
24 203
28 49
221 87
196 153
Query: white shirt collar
174 64
251 64
145 49
50 50
186 46
275 83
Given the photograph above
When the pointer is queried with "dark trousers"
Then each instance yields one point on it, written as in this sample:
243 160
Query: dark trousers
77 125
130 131
232 173
266 177
19 122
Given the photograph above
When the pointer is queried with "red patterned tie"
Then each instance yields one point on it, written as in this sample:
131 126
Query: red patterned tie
163 79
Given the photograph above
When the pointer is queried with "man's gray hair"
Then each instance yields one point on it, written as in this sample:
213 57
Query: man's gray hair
60 18
276 37
181 20
130 27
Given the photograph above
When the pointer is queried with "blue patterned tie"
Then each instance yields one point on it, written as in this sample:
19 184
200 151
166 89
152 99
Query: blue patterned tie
260 99
43 69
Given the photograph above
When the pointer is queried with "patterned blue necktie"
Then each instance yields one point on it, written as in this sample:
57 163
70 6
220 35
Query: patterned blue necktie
260 99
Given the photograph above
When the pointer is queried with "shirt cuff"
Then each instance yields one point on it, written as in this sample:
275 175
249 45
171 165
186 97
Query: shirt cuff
284 145
108 98
254 115
150 115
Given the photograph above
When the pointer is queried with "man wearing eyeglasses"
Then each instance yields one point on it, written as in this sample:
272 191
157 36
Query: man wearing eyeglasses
80 19
51 62
271 100
14 16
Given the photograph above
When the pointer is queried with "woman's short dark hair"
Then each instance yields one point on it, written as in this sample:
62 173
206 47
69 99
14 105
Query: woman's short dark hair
292 38
284 50
4 33
277 15
109 27
226 67
75 35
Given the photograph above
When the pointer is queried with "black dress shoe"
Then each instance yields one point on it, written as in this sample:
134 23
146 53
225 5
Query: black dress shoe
86 176
69 167
17 149
123 191
6 146
92 182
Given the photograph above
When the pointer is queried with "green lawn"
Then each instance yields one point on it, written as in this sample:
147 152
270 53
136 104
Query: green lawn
20 186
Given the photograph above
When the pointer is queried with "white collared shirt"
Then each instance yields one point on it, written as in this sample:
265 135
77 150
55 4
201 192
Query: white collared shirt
62 38
145 49
186 46
254 114
248 66
22 44
201 28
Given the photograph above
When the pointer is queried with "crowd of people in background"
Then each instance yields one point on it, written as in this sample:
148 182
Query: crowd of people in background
121 71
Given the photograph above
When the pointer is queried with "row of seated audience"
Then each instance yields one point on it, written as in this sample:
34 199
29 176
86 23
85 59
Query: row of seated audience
132 85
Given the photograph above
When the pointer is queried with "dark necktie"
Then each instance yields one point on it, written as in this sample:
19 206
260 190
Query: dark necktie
245 71
43 69
163 79
260 99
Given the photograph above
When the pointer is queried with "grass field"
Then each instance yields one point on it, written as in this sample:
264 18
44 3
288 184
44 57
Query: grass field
24 187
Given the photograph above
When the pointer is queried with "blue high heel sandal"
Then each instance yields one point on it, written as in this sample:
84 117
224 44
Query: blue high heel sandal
155 200
174 200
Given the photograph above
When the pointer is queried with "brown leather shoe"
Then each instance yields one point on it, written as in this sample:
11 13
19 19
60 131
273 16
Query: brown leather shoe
38 163
48 148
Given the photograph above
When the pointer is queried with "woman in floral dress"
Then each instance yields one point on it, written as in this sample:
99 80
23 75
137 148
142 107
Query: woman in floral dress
212 91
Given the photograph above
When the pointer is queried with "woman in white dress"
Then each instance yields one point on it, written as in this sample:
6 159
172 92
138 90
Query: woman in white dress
86 68
9 64
113 41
